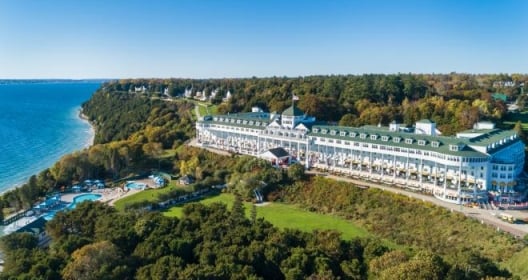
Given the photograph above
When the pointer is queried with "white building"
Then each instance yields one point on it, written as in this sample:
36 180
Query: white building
471 166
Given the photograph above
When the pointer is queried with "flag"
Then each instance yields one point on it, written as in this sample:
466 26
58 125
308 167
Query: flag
295 97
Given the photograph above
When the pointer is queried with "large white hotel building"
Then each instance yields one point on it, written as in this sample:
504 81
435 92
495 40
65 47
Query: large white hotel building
474 165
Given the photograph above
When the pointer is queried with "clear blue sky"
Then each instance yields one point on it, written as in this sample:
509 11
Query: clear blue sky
203 39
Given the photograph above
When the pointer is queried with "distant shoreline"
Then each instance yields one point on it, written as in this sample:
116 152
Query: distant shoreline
84 118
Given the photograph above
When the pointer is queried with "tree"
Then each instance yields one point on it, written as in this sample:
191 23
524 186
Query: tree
93 262
237 211
17 240
154 150
296 172
519 130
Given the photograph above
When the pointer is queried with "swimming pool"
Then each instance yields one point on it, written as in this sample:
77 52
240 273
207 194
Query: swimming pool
135 185
78 199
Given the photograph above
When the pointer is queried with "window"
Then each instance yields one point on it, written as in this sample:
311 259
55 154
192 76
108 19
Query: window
363 136
384 138
316 130
353 134
324 131
493 175
374 137
453 147
396 139
495 167
421 142
408 141
333 132
342 133
435 144
503 176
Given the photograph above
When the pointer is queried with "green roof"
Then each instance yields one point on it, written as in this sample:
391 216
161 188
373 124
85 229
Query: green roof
443 141
293 111
499 96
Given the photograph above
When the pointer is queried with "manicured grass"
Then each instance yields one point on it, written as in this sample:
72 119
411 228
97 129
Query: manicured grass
288 216
146 195
206 109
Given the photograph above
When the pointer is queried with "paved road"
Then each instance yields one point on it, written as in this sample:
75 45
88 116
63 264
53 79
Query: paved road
483 215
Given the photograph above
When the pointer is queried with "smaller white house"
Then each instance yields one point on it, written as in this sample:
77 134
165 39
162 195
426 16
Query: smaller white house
228 96
277 156
140 89
186 180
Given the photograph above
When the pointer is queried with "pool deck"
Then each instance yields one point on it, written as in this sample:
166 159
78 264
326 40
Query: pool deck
108 196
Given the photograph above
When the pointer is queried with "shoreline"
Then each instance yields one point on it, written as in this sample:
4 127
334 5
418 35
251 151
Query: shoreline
87 144
85 119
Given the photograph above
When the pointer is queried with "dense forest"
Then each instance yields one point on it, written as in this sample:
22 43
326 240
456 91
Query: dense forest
211 242
141 130
454 101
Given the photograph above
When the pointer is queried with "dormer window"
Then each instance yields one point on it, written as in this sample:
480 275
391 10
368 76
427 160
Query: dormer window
244 122
435 144
453 148
396 139
363 136
385 138
315 130
324 131
353 134
408 140
421 142
251 123
374 137
342 133
257 123
333 132
215 119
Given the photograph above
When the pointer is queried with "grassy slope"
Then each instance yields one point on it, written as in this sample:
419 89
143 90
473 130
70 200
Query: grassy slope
148 195
518 264
288 216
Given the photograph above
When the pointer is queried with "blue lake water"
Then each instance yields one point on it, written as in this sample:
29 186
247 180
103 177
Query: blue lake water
39 123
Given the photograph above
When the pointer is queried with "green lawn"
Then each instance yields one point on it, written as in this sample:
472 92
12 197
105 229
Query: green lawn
288 216
206 109
148 195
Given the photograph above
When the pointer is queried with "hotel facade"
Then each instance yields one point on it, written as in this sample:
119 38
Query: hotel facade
474 166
